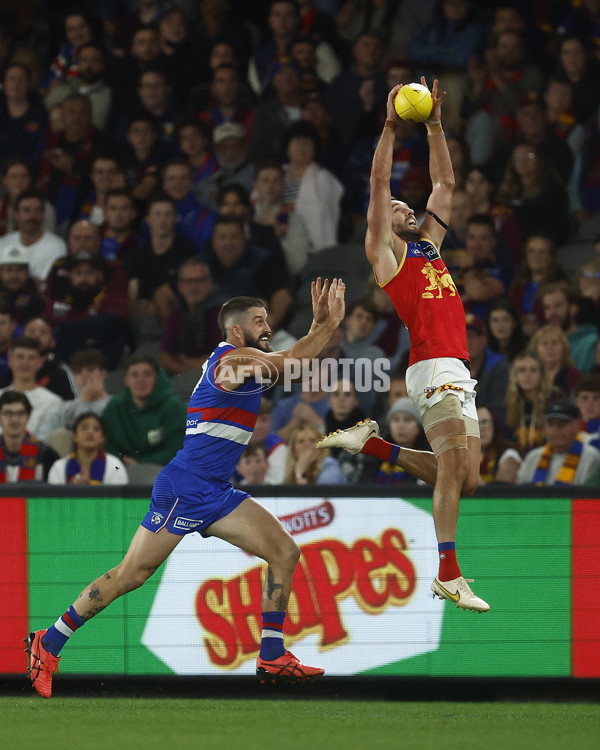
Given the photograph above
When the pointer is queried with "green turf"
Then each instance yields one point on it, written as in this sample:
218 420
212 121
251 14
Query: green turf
155 724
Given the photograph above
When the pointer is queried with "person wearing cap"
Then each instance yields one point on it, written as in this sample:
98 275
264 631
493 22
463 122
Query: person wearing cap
44 247
16 285
231 150
566 459
489 368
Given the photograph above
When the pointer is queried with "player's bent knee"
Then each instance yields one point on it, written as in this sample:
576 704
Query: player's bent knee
469 486
286 553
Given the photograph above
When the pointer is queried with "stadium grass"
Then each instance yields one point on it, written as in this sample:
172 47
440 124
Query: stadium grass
164 724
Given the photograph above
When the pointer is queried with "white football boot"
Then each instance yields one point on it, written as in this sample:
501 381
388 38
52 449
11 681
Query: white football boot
352 439
459 592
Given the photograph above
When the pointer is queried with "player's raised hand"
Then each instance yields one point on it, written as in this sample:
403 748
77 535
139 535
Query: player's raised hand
319 291
337 302
436 110
391 113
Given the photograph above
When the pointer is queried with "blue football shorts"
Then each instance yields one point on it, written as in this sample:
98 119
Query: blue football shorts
183 502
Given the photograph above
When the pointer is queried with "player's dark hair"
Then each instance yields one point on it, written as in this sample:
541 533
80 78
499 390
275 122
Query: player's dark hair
15 397
234 309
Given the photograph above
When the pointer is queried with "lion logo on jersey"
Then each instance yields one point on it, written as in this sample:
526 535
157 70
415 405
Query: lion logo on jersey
437 281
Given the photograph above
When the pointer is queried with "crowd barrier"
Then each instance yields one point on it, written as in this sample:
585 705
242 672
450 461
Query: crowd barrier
361 602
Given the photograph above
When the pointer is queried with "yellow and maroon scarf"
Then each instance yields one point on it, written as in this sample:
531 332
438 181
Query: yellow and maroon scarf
566 475
28 455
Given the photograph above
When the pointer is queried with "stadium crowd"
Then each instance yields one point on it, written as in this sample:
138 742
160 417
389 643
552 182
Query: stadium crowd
158 158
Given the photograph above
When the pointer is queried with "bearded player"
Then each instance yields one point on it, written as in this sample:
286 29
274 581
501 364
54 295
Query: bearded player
407 264
193 492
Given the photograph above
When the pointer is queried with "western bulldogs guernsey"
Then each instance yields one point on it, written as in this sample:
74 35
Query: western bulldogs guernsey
219 423
425 298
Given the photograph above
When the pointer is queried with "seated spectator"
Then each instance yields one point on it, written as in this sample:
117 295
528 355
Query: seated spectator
144 16
312 191
118 235
89 313
240 269
142 53
7 330
43 247
23 117
253 465
23 458
277 449
25 360
152 267
77 31
504 331
560 305
67 157
145 423
488 367
231 150
588 287
183 59
89 371
195 222
17 287
538 268
566 459
551 344
88 463
103 175
195 143
143 155
587 400
90 81
17 178
345 411
499 462
191 331
53 374
306 464
229 102
528 393
307 406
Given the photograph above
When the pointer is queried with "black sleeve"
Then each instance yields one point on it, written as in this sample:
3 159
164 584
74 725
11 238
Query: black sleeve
48 457
273 276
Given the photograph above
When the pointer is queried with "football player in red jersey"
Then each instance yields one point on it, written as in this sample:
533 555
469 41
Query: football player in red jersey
407 264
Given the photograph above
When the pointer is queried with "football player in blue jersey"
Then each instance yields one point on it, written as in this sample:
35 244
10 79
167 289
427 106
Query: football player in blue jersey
193 492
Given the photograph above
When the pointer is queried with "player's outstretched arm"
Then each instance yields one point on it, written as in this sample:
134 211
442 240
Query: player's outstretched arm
440 171
379 242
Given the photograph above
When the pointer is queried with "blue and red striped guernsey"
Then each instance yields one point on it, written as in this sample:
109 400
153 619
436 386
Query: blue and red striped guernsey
219 423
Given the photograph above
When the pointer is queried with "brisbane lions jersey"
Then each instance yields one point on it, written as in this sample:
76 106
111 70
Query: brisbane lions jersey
426 299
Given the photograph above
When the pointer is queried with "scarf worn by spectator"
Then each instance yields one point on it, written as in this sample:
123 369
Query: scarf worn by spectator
566 475
73 468
28 454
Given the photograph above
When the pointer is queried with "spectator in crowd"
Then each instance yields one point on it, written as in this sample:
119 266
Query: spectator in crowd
67 157
191 331
43 246
194 138
231 150
308 405
229 102
89 81
17 288
143 54
145 423
581 70
182 58
53 374
89 371
23 118
588 287
221 53
152 266
345 411
241 269
538 268
103 175
552 345
390 333
312 191
278 111
529 391
587 400
488 367
118 230
88 463
143 155
90 312
566 459
538 197
332 152
456 236
145 15
77 31
17 178
195 222
25 360
23 458
359 325
504 331
156 99
499 462
277 449
269 210
7 330
308 465
253 465
560 306
218 25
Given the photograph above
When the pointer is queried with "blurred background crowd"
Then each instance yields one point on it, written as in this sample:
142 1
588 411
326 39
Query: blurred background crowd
158 158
